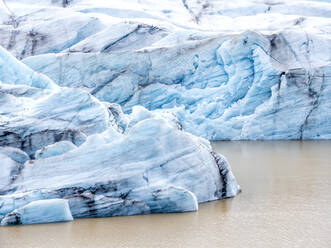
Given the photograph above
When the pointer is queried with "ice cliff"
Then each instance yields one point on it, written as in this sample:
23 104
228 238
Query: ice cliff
64 154
237 87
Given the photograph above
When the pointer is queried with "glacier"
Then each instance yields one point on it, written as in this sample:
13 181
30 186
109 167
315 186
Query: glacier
238 87
238 70
64 154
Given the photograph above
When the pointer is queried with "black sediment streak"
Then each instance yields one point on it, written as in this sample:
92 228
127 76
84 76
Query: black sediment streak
315 96
223 172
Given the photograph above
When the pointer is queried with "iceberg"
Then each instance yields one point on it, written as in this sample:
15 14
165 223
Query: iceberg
65 154
42 211
152 167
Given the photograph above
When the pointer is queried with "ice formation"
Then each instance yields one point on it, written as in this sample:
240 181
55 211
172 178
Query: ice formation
64 154
238 87
228 70
42 211
106 96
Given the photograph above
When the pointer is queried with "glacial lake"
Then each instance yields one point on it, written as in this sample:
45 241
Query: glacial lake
285 202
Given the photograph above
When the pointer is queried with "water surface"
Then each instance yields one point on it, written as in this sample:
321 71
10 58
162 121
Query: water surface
286 202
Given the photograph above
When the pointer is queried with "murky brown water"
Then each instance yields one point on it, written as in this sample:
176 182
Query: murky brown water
286 202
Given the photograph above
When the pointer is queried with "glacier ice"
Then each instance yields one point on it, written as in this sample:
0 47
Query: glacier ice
68 114
228 70
36 30
137 35
239 87
42 211
64 154
55 149
108 97
153 166
194 58
15 72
